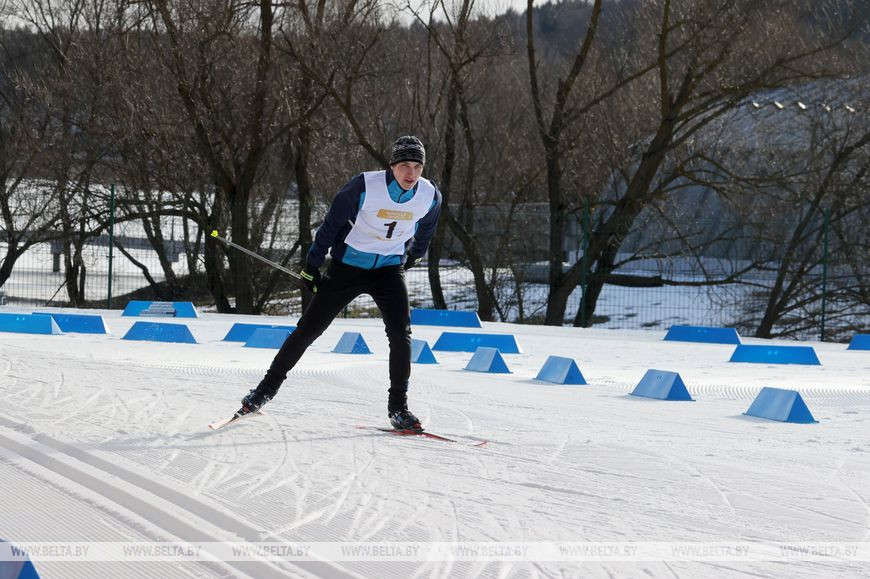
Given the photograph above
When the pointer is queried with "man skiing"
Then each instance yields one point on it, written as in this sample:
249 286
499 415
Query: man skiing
379 225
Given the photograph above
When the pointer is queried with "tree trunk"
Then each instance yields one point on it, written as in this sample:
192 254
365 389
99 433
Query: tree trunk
306 200
436 250
557 301
240 265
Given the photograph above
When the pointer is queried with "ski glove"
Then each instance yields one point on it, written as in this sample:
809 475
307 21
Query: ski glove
311 277
411 262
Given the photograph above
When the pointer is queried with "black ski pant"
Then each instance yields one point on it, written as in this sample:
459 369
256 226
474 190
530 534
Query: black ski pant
340 285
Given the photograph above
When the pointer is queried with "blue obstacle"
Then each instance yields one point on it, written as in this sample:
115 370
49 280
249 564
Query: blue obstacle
267 338
421 353
159 332
18 568
461 342
465 319
487 360
352 343
29 324
78 323
160 309
775 355
560 370
662 385
860 342
242 332
704 334
782 405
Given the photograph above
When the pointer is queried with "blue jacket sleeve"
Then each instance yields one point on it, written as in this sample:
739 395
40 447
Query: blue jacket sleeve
338 220
426 228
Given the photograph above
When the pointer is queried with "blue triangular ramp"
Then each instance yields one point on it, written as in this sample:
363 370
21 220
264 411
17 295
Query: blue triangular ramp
462 342
704 334
782 405
133 307
775 355
28 571
28 324
662 385
242 332
17 569
457 318
160 309
159 332
267 338
860 342
487 360
352 343
421 353
560 370
79 323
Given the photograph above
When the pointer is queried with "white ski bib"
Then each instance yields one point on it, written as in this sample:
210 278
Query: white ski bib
383 226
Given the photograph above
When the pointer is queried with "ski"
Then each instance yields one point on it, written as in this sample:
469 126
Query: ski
234 418
423 434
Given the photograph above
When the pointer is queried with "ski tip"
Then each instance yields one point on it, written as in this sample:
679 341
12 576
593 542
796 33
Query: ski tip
240 414
214 232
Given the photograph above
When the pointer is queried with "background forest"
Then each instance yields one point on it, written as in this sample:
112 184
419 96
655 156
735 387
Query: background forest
723 143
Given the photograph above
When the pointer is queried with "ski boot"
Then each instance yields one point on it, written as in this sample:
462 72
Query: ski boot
254 400
403 419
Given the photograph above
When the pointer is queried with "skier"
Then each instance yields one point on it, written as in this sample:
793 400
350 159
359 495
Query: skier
379 225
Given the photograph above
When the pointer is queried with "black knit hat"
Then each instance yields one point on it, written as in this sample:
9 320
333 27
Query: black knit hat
408 148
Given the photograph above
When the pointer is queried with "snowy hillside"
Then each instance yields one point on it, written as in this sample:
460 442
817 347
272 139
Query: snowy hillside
108 469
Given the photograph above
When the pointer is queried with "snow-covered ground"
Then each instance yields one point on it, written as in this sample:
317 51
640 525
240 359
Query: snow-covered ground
108 469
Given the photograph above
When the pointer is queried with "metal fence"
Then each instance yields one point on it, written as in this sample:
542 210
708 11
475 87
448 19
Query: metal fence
38 280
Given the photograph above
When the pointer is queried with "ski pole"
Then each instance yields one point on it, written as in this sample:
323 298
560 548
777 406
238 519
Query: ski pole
255 255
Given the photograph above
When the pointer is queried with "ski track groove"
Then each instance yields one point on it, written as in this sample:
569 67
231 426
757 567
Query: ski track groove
72 414
33 388
193 370
153 402
6 366
178 421
122 405
863 501
106 523
200 481
853 394
103 486
722 494
164 464
58 386
342 490
370 506
264 478
40 449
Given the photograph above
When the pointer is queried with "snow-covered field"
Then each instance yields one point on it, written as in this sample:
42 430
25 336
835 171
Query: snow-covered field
107 468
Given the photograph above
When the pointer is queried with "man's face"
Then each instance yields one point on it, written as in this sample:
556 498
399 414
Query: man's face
407 173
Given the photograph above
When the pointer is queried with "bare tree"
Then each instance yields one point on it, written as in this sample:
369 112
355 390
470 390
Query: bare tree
551 132
465 47
310 37
705 57
803 192
70 90
29 206
222 62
